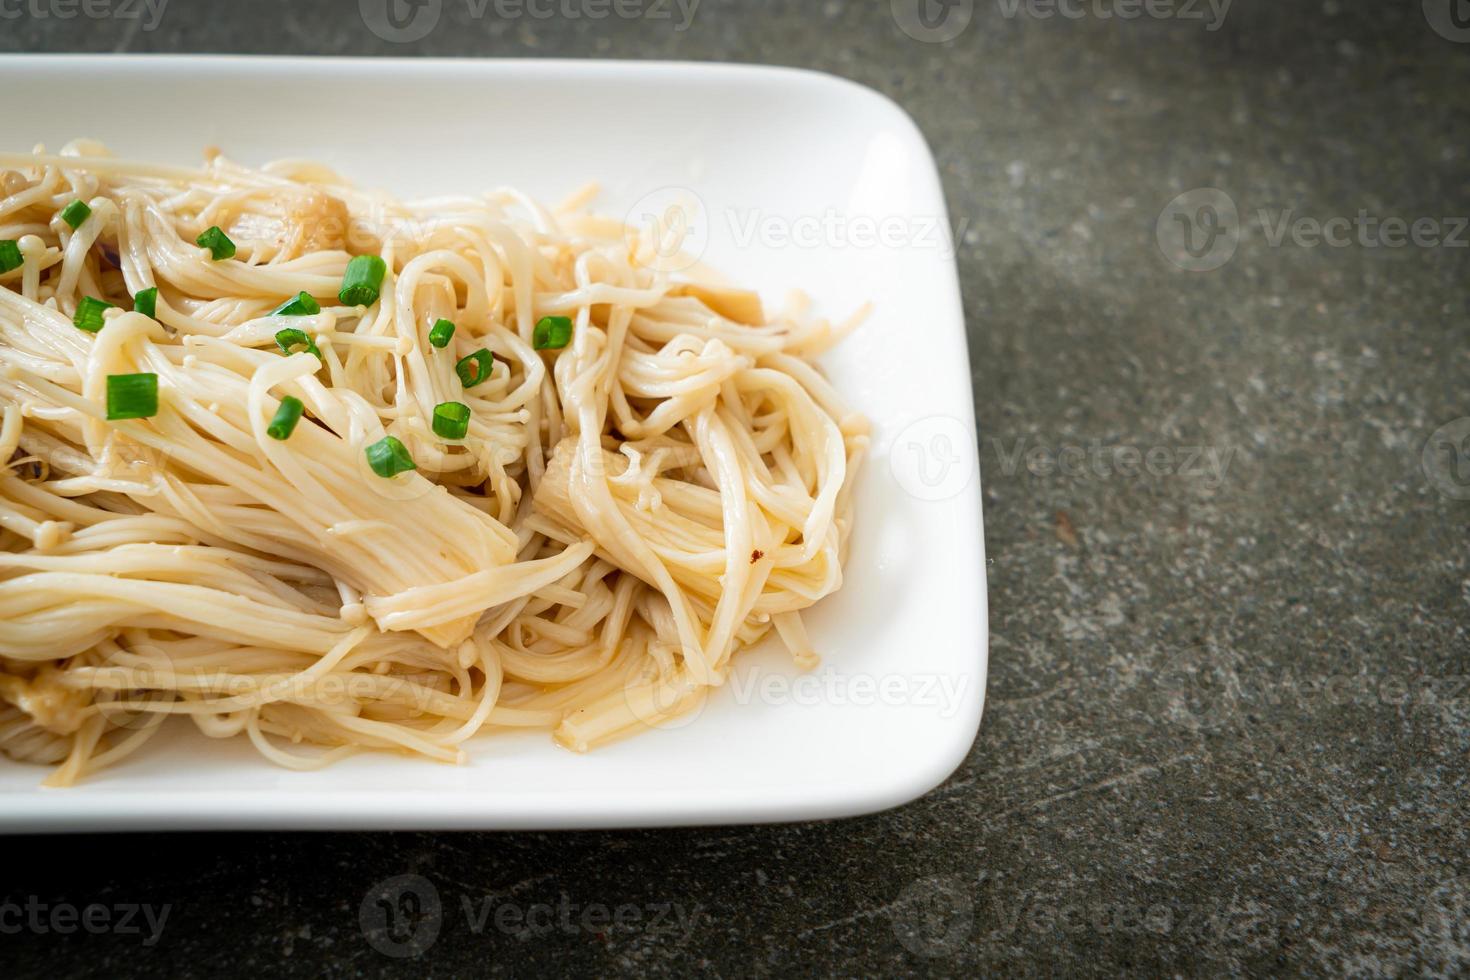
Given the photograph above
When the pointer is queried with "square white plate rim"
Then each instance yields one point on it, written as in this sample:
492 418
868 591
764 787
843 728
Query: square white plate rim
946 394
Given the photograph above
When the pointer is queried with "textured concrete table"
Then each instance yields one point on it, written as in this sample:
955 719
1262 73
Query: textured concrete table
1229 714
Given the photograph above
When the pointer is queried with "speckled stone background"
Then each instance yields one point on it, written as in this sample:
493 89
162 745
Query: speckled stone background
1228 722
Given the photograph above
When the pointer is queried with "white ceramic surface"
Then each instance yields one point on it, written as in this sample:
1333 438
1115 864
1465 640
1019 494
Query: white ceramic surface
804 181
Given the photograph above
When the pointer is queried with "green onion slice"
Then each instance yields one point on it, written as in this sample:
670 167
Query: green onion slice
440 333
475 368
89 314
363 280
552 333
75 213
302 304
291 340
218 243
451 420
146 302
388 457
285 419
10 257
132 396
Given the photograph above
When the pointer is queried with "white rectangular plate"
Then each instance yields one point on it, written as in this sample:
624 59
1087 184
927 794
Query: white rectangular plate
805 181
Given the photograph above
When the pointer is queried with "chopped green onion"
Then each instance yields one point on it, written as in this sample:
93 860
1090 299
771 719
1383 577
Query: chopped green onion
475 368
388 457
551 333
451 420
89 314
440 333
10 257
291 339
302 304
132 396
146 302
218 243
363 280
285 419
75 213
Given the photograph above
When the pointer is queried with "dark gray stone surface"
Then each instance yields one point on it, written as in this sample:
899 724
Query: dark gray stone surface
1229 708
